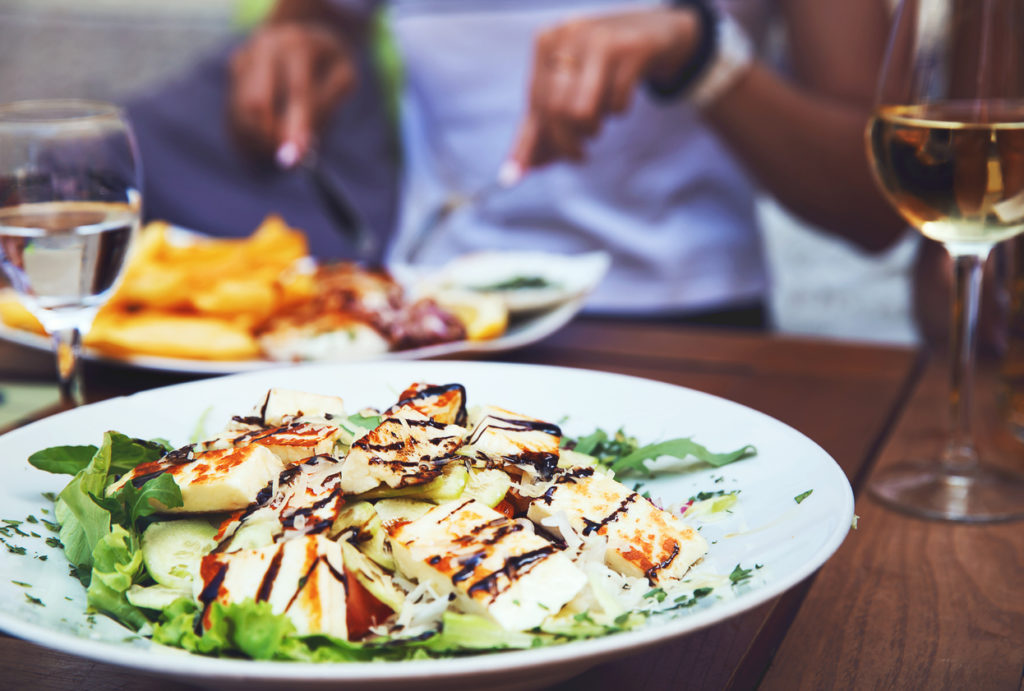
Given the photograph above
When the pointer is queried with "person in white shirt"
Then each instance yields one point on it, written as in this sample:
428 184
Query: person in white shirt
630 127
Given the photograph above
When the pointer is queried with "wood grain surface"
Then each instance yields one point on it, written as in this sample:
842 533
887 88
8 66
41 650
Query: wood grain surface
908 603
843 396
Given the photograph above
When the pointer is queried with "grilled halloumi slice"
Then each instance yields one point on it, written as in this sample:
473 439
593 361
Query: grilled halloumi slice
501 437
284 406
643 540
403 450
496 567
445 403
293 442
302 578
305 499
224 479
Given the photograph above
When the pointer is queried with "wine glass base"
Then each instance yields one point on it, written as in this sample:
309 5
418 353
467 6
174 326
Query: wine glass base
932 490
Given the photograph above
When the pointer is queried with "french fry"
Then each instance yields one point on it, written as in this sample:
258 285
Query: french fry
15 314
171 335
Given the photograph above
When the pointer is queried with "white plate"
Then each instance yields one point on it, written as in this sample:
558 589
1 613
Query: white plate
568 276
767 527
520 333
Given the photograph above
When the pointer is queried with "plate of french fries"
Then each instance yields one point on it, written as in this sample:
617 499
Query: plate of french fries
193 303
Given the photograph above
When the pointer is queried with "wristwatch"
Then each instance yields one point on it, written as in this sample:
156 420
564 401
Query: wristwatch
723 53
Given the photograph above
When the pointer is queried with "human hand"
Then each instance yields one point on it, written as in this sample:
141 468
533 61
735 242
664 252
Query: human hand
587 69
285 81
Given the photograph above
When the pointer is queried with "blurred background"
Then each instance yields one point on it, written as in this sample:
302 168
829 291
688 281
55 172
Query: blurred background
110 49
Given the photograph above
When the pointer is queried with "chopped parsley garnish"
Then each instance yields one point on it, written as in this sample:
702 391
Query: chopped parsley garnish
740 575
32 519
34 600
702 592
704 496
23 584
51 525
583 617
14 550
658 594
517 283
803 495
54 542
50 495
622 618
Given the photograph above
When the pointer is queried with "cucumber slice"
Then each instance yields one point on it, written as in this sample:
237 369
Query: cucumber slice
567 458
355 515
448 486
369 536
488 486
172 550
259 530
372 577
401 509
155 596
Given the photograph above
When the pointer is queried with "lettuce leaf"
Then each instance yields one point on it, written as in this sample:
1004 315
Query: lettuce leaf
248 628
117 562
101 534
83 523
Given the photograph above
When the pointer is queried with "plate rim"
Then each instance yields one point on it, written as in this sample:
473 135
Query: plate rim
535 328
163 660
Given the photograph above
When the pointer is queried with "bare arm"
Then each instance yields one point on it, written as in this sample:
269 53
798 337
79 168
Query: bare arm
804 141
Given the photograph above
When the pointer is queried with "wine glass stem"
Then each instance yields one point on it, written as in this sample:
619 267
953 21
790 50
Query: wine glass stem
960 453
67 344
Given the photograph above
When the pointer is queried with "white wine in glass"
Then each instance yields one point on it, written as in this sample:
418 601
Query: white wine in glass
947 146
69 209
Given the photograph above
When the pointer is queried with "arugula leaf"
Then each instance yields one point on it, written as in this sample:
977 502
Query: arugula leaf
803 495
127 452
590 442
66 460
623 453
128 504
679 448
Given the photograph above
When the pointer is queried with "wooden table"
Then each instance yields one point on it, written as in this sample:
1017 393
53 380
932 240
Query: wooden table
903 604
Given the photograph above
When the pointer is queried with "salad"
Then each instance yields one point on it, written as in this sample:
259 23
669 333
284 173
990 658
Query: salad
306 532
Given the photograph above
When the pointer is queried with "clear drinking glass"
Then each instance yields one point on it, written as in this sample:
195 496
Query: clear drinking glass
69 209
947 145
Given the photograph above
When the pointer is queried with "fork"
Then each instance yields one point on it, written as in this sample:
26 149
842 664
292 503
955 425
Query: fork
508 176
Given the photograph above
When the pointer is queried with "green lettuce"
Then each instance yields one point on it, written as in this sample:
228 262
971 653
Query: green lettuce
117 563
624 455
101 534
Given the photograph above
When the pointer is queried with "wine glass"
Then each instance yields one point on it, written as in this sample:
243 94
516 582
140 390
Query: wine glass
69 209
947 146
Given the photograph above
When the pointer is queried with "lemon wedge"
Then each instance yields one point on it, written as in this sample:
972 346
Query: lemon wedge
484 316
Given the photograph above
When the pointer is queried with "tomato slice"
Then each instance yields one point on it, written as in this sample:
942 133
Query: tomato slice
362 609
506 507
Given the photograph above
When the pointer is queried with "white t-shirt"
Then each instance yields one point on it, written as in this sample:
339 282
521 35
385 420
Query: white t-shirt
658 190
